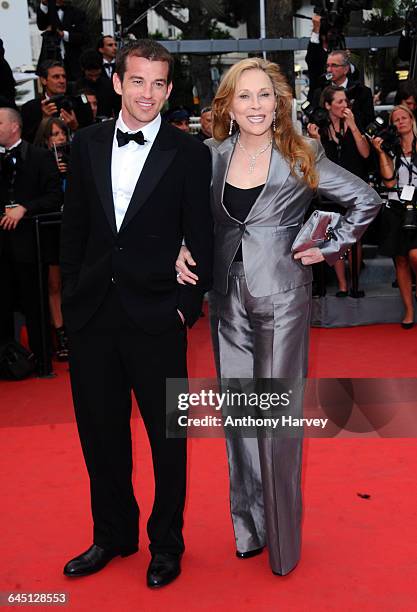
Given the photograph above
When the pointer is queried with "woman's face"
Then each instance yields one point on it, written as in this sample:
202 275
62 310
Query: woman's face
402 121
253 103
338 105
57 137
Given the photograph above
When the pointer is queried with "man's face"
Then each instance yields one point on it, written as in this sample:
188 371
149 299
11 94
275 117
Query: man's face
182 124
144 90
56 81
206 121
9 129
336 68
109 48
92 74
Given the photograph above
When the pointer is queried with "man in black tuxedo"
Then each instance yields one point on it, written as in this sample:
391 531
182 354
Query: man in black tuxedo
70 27
107 47
29 184
137 188
54 83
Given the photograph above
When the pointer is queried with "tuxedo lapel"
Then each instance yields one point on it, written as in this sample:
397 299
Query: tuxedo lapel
101 152
160 157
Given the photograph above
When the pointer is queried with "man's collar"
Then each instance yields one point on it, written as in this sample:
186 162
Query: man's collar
16 144
149 131
344 84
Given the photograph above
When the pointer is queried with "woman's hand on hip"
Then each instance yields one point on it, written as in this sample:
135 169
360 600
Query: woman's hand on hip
184 274
310 256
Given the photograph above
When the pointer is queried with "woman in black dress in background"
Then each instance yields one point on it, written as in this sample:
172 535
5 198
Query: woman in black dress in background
347 147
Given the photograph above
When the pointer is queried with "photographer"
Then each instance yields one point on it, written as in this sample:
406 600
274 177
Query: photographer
360 97
53 135
108 102
345 145
29 185
63 33
396 173
316 56
54 103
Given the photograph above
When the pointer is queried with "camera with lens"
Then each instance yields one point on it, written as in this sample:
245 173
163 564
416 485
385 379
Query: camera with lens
334 16
62 101
315 114
389 134
408 197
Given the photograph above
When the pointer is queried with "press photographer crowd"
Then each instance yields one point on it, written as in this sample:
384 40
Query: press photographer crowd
77 91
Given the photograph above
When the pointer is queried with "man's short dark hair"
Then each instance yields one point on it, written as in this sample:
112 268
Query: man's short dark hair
100 41
147 48
46 66
90 59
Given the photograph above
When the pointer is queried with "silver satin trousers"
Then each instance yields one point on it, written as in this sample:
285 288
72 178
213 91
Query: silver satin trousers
263 337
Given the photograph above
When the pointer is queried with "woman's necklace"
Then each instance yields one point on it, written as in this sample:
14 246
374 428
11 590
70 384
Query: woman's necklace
253 158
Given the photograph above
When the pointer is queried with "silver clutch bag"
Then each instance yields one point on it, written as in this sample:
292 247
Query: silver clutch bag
316 230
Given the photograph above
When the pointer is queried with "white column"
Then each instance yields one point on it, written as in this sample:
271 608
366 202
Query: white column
262 22
108 17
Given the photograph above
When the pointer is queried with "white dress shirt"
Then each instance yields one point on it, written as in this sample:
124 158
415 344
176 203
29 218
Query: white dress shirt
127 163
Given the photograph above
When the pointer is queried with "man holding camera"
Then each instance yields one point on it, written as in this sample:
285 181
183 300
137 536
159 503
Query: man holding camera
54 103
64 34
29 184
360 97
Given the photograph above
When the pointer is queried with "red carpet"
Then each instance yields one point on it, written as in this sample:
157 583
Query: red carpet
357 553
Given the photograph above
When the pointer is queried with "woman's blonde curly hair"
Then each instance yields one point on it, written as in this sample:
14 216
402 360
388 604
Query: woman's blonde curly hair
292 146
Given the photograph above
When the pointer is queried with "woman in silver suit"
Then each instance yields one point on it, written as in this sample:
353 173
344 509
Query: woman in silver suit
264 177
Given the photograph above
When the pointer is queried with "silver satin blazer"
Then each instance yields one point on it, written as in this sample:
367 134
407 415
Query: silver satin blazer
276 217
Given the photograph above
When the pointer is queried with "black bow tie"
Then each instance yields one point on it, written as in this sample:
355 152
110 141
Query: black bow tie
124 137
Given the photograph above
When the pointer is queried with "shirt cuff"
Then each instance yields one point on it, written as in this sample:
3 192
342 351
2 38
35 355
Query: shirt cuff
315 38
66 36
44 8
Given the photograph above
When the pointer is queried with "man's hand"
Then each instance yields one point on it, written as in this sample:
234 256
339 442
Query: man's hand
316 19
184 274
69 118
12 217
48 108
310 256
60 33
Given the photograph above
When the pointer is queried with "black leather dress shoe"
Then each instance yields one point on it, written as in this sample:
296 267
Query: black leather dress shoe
249 553
93 560
163 569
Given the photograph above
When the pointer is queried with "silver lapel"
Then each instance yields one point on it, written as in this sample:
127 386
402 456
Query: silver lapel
278 173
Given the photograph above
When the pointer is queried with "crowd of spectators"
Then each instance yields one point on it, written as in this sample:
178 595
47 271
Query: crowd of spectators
77 91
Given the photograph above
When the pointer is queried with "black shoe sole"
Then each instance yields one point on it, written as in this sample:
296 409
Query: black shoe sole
250 553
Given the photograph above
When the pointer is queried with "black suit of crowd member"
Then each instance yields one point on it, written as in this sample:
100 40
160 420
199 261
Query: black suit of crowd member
29 177
54 82
71 35
7 82
122 230
108 102
316 56
360 96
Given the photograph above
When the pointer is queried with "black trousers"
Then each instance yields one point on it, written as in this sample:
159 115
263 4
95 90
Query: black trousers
109 358
20 291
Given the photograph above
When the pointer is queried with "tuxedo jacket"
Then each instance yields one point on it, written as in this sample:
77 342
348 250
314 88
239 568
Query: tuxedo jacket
272 224
73 22
171 201
38 188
